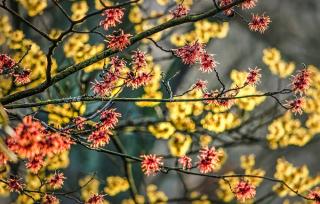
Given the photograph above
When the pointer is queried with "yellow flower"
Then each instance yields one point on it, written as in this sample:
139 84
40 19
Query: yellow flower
162 2
135 15
179 144
282 69
200 198
162 130
79 10
89 186
100 6
271 56
153 95
296 177
156 196
205 140
115 185
286 131
34 7
58 161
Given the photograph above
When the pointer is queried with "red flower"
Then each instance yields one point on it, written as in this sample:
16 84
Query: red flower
99 138
6 64
212 94
79 122
208 159
200 84
186 162
137 80
301 82
190 53
112 17
253 76
207 62
35 163
22 77
50 199
119 40
315 195
109 118
223 3
56 180
179 11
244 191
248 4
259 23
296 105
117 64
31 140
151 164
15 184
139 59
26 141
95 199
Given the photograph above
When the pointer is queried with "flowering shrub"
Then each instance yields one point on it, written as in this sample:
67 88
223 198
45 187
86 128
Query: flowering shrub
86 106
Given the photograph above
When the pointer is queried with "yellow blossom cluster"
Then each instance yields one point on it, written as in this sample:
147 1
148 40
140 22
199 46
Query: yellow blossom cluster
78 48
247 163
272 58
297 178
156 196
198 198
203 32
220 122
61 114
34 7
57 161
179 144
139 199
99 5
35 60
152 89
162 130
115 185
248 104
79 9
286 131
89 186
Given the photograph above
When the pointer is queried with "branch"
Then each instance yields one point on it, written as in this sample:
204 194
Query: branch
74 68
168 100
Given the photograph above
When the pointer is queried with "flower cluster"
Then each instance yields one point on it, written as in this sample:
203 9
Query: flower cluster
223 3
95 199
208 159
186 162
315 195
56 180
112 17
179 11
9 67
259 23
195 52
118 40
244 191
101 136
151 164
253 76
248 4
134 78
296 105
301 81
32 142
